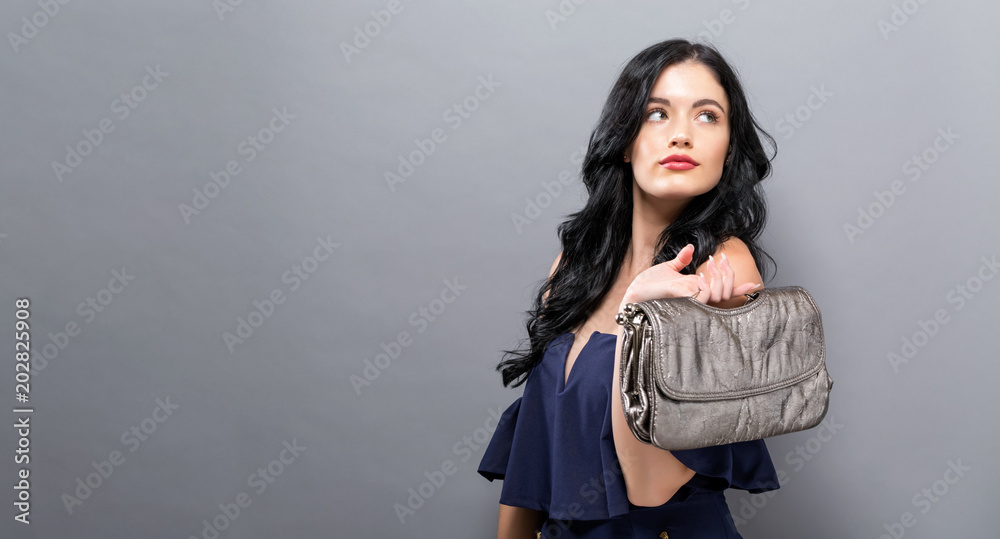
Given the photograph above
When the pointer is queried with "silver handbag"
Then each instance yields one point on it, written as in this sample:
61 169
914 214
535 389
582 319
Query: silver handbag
696 376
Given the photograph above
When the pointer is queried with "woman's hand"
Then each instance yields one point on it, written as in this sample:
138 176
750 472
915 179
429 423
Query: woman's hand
665 281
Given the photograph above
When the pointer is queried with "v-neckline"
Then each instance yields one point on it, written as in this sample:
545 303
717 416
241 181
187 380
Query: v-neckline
564 377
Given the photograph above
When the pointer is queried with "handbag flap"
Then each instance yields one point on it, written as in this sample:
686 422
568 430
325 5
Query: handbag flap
708 353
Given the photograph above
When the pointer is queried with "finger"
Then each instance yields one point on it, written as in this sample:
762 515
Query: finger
745 288
728 276
682 259
716 279
693 285
715 283
705 295
684 286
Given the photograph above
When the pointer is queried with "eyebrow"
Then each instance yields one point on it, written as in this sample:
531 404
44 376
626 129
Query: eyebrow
696 104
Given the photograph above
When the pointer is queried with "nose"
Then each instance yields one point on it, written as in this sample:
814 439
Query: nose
680 140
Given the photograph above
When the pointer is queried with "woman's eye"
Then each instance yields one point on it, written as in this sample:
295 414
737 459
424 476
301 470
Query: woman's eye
711 115
659 115
656 115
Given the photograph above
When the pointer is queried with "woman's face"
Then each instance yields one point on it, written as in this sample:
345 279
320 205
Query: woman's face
687 115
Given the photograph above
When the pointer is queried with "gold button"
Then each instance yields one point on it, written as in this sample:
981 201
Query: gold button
663 535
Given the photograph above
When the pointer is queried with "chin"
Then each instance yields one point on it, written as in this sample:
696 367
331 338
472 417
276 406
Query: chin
675 188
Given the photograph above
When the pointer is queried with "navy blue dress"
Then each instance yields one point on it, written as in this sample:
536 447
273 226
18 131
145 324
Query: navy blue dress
558 457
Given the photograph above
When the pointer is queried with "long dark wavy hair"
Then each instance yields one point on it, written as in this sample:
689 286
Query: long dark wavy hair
595 239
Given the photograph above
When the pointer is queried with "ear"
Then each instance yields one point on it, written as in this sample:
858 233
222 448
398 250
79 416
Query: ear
628 152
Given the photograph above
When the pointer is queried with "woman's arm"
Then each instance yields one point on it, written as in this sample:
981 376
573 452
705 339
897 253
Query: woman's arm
518 522
652 475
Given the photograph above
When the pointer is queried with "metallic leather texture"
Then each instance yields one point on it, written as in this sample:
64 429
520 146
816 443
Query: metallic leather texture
695 376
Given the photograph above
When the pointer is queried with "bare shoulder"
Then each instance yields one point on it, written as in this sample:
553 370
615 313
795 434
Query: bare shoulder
551 271
741 260
734 248
555 264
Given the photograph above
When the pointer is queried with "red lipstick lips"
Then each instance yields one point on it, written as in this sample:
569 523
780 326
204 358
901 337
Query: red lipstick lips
678 161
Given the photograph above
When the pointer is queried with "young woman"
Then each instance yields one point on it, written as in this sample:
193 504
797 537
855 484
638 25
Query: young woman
673 172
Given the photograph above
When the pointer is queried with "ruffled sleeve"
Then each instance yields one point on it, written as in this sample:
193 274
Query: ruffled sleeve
554 446
549 465
742 465
494 462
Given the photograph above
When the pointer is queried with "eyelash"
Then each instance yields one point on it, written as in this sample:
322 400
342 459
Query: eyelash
715 117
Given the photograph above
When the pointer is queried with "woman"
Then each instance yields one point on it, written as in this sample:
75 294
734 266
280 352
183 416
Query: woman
672 171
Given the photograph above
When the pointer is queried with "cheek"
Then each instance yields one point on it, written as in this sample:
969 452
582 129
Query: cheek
642 144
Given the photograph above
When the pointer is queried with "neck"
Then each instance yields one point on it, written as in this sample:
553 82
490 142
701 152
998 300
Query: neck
650 215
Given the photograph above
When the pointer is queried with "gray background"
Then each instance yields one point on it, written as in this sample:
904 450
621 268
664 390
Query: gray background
323 176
